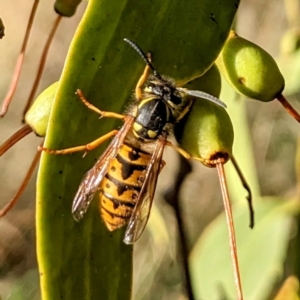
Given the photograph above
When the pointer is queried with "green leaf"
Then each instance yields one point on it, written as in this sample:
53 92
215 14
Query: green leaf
261 251
83 260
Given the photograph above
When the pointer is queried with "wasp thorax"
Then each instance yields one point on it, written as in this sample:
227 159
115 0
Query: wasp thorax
151 117
164 90
161 107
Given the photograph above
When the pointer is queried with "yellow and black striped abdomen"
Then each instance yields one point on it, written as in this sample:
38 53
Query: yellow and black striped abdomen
121 186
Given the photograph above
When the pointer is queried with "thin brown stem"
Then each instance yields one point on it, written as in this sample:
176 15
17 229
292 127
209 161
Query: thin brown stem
26 129
42 65
231 232
16 76
247 188
289 108
21 189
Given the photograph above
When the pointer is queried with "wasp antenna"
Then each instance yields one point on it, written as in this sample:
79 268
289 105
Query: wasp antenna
144 57
200 94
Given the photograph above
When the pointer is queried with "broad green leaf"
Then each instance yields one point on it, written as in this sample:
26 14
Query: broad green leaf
83 260
261 251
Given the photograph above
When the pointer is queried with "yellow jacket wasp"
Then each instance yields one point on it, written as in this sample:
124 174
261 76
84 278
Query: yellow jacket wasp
126 173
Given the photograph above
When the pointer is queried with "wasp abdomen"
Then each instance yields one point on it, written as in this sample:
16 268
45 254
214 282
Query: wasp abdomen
121 186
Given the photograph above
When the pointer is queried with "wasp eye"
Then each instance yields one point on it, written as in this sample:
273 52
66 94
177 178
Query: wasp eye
175 99
150 86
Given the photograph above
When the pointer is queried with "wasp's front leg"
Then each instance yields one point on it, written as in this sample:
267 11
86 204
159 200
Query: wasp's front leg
88 147
103 114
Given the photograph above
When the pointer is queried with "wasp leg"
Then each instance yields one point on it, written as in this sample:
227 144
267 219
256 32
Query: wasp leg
90 146
188 156
183 152
103 114
179 150
143 78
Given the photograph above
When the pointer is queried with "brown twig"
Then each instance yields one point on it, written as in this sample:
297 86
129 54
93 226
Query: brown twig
289 108
41 65
21 189
26 129
231 232
16 76
247 188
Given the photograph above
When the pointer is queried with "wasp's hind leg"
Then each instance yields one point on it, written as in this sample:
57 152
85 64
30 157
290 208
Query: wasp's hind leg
88 147
143 78
103 114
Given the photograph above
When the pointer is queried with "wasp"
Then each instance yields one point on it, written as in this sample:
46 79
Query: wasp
126 173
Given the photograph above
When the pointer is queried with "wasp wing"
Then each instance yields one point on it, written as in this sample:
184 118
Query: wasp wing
141 212
92 179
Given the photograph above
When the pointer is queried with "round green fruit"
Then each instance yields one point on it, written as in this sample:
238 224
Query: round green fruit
37 116
206 133
249 69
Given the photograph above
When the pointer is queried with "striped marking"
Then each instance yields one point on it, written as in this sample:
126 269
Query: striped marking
121 186
128 167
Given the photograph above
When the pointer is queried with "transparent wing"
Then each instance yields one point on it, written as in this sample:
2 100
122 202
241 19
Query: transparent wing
142 208
92 179
200 94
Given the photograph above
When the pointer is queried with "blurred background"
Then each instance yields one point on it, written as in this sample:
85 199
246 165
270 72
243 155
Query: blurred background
17 229
158 269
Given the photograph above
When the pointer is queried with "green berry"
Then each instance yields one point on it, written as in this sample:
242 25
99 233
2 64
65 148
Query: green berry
37 116
206 133
249 69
